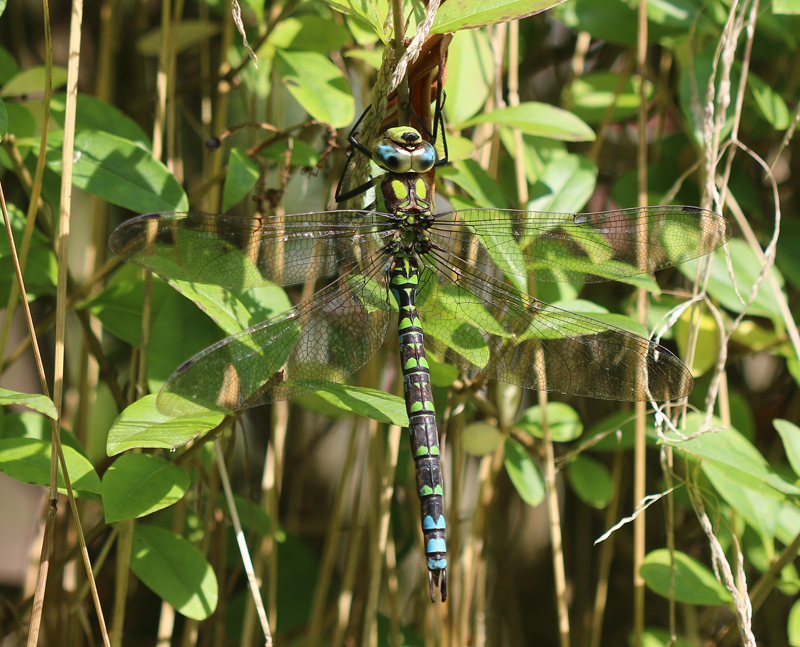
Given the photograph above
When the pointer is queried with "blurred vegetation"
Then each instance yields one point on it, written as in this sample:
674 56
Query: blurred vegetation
542 114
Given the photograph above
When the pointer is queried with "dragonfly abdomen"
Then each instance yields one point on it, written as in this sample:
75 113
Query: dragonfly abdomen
404 278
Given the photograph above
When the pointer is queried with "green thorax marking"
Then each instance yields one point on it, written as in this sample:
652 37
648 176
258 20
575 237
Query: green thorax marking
406 193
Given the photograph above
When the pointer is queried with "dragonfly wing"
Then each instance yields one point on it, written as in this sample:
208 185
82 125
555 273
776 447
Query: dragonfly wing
499 331
323 339
236 252
583 248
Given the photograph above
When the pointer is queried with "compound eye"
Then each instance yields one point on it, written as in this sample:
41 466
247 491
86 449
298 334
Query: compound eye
391 157
424 157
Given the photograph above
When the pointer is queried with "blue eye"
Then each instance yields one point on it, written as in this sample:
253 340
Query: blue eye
387 155
423 158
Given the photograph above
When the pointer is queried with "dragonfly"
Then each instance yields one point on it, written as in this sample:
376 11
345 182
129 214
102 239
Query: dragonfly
462 275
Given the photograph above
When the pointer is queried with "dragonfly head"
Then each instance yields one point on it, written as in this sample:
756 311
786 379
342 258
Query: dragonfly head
402 150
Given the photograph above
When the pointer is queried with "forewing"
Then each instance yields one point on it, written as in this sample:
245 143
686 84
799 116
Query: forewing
494 329
236 252
323 339
583 248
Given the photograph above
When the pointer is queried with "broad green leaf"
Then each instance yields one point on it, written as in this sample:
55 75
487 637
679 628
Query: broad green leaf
35 401
591 95
759 511
142 425
442 375
174 570
372 58
318 86
28 460
746 267
524 473
3 120
470 75
481 438
770 103
788 7
20 120
733 455
591 481
32 81
370 403
169 345
565 186
191 33
302 154
707 340
654 637
119 305
563 421
242 175
480 186
694 582
793 625
456 15
790 435
309 33
94 114
617 432
536 118
119 171
136 485
8 66
614 21
366 10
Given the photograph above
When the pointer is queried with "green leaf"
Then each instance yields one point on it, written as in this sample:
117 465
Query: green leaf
303 154
35 401
442 375
733 455
191 32
175 571
242 175
470 75
760 512
141 425
309 33
119 171
524 473
8 66
541 119
366 10
655 637
366 402
565 186
3 120
455 15
793 625
591 481
170 346
592 94
20 120
480 186
94 114
138 484
770 103
787 7
790 435
481 438
28 460
707 340
564 422
746 267
32 80
318 86
694 582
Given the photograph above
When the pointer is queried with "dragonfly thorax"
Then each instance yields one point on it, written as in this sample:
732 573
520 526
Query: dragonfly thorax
402 150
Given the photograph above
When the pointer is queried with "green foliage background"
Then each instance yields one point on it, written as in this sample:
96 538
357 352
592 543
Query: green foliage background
541 115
